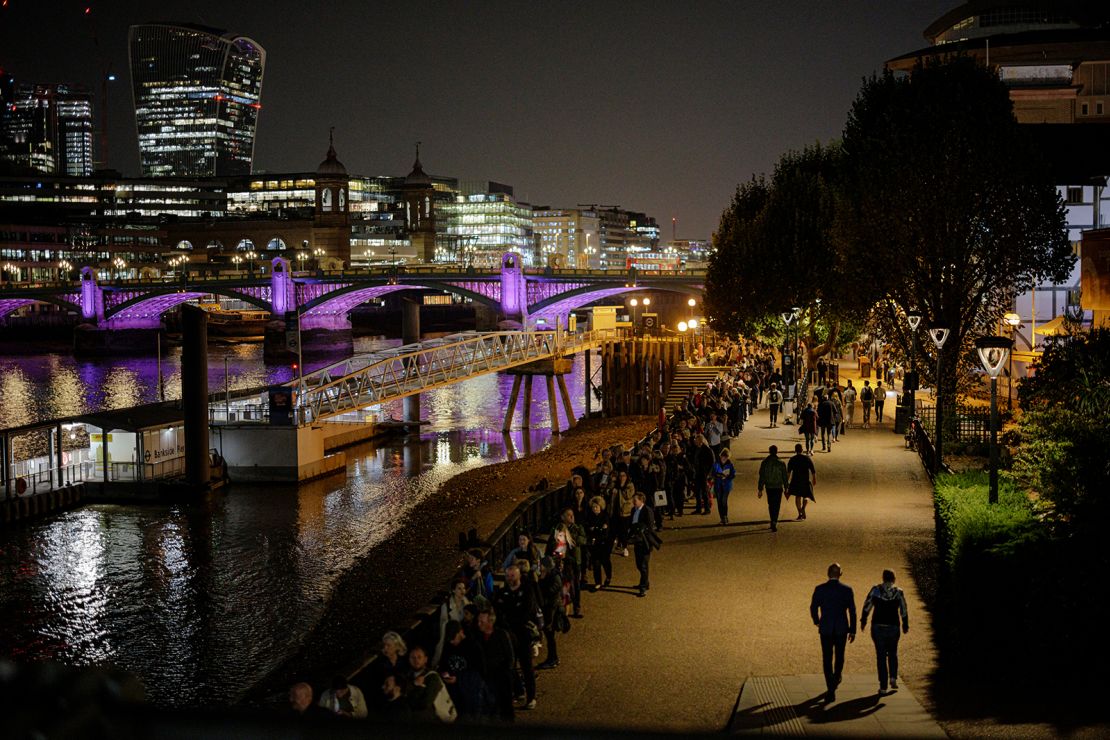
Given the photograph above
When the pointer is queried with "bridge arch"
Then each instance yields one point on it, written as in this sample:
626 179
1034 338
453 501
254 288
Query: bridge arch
151 305
566 302
9 306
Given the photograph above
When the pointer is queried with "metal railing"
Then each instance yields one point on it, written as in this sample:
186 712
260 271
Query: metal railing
965 424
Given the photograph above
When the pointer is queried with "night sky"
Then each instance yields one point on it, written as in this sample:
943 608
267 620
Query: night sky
660 107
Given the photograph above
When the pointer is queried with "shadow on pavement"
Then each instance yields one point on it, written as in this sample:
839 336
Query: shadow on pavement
814 709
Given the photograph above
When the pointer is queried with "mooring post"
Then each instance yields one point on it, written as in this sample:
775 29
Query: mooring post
194 394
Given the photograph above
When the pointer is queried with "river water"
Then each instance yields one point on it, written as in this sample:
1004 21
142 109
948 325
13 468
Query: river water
203 601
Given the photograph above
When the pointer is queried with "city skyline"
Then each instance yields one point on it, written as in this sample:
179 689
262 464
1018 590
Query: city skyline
485 87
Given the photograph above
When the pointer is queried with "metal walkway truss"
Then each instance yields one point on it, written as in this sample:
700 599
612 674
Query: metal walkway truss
379 377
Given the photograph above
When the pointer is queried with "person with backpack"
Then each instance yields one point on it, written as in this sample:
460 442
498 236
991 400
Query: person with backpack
849 406
867 398
880 399
774 399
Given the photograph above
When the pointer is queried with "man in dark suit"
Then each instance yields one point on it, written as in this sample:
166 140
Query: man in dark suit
643 538
833 610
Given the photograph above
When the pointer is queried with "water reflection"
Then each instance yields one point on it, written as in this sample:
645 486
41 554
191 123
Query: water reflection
203 601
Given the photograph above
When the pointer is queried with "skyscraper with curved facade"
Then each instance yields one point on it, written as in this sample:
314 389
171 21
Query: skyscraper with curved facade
197 95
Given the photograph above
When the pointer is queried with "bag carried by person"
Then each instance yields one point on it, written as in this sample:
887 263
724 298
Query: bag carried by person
660 498
867 395
444 707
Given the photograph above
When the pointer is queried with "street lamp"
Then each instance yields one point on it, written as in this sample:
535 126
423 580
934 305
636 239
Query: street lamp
251 255
634 303
238 261
301 257
119 264
910 383
939 335
993 353
1013 321
318 253
64 265
682 327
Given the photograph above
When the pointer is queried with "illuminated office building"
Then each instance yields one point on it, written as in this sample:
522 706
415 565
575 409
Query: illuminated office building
485 222
567 237
45 128
197 95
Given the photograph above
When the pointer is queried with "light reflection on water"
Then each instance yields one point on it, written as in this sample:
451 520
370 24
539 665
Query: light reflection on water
202 601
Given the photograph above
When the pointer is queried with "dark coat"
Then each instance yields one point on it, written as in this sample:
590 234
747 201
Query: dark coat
833 608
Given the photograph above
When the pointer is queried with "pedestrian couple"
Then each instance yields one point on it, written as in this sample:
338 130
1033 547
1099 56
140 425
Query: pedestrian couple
796 478
833 610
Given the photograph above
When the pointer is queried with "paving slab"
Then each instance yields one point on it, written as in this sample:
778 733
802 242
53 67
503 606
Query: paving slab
794 706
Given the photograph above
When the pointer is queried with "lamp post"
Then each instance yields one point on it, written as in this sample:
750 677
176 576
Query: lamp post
64 266
119 264
251 255
909 384
788 318
238 261
318 254
693 324
993 353
646 302
634 303
939 335
682 327
1013 321
301 258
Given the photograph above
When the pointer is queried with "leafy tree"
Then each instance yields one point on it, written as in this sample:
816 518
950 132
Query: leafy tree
774 250
947 207
1064 436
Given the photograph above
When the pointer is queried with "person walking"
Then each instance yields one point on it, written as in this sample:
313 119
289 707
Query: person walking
703 468
849 405
599 536
644 540
825 421
867 399
723 473
801 477
833 611
772 476
774 404
807 425
889 605
880 399
518 610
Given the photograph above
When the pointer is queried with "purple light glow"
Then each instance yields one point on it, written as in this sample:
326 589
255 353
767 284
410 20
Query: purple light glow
514 295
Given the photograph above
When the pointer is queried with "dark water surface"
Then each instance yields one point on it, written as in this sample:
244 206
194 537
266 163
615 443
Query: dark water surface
203 601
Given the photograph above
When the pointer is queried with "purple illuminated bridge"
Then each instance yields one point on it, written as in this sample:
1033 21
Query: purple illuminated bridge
324 300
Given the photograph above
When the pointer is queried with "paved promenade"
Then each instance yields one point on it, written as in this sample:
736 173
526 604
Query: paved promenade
729 605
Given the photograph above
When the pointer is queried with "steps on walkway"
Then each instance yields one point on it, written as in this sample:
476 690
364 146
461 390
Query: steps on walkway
685 378
794 706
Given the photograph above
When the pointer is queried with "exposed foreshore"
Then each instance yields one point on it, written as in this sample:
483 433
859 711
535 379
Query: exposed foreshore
400 576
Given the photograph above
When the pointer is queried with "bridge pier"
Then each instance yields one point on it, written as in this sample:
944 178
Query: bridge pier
553 371
95 341
410 334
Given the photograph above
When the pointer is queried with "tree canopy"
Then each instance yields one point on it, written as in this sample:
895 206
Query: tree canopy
774 251
948 208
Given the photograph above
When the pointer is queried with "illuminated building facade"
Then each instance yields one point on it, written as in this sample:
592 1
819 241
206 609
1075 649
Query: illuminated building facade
1055 59
484 223
197 95
567 237
45 128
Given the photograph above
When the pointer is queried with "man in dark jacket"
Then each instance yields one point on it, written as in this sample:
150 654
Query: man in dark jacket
519 613
825 421
643 538
703 466
497 653
833 610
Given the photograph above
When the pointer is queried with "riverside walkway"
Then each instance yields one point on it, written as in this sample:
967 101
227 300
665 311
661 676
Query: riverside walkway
724 642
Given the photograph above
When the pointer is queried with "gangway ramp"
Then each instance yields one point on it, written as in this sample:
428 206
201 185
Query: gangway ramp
379 377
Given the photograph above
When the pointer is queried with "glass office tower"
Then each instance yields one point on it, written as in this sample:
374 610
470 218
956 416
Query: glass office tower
197 93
